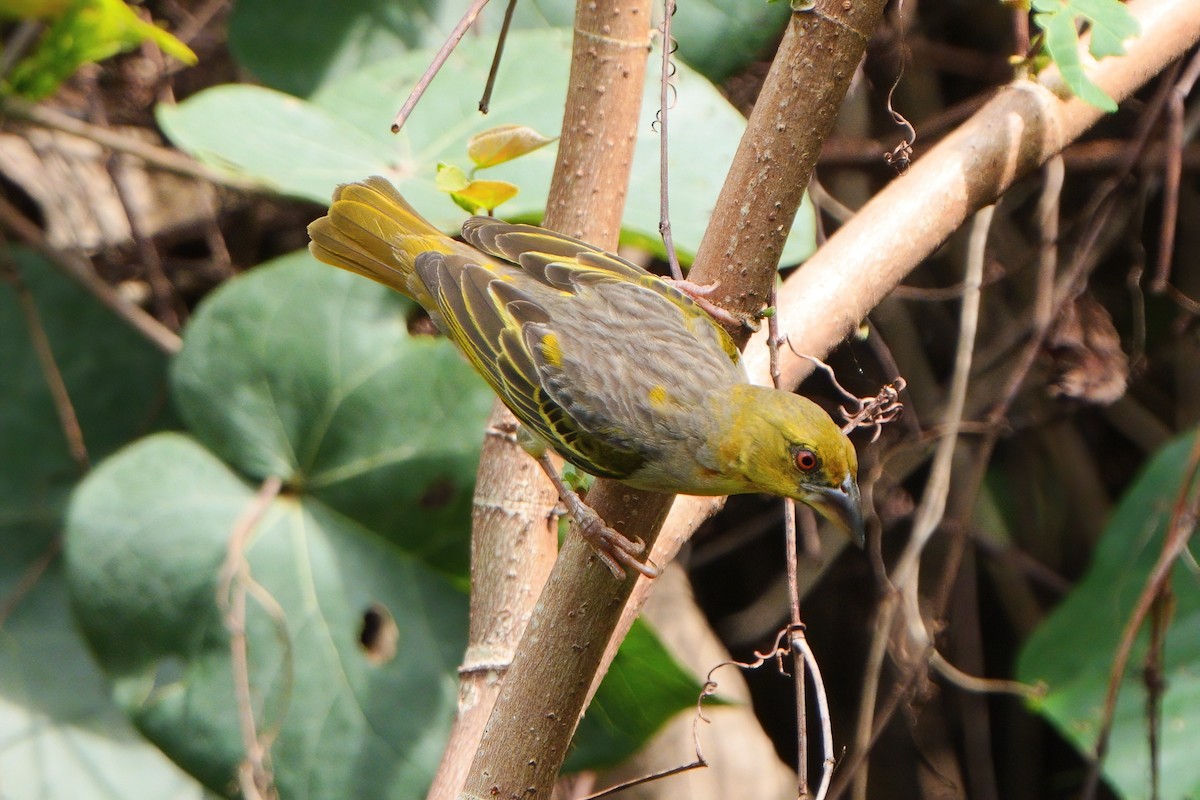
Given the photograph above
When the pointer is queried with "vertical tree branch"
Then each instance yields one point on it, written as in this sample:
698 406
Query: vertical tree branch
793 115
546 687
513 547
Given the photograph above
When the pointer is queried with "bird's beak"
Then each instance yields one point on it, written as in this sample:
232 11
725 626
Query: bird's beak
842 505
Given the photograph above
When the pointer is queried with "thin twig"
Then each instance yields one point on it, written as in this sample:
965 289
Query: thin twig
971 683
29 579
164 158
788 641
162 290
825 201
900 156
19 43
1180 528
1098 212
655 776
798 670
940 294
797 642
1172 168
773 340
485 101
1154 679
664 96
63 407
933 503
80 269
866 412
828 762
439 59
1048 219
196 20
254 774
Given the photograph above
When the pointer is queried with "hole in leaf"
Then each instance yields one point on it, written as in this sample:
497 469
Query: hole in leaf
438 493
378 634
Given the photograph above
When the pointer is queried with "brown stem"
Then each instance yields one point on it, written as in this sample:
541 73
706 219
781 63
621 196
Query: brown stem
156 156
485 102
792 117
546 686
80 270
664 108
1181 526
254 772
1012 135
68 420
1172 168
443 53
162 291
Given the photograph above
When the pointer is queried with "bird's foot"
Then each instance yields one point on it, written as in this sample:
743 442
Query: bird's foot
699 293
614 549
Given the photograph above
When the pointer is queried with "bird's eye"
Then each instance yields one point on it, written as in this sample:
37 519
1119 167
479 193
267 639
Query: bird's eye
806 460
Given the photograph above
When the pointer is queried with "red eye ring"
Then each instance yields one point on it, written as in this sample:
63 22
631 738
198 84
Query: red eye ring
806 460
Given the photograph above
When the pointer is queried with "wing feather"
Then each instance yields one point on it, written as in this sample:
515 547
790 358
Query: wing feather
505 334
567 264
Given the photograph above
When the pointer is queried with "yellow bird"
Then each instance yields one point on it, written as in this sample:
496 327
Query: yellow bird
619 371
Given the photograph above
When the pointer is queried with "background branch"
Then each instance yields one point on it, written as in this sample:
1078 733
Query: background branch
1013 134
890 236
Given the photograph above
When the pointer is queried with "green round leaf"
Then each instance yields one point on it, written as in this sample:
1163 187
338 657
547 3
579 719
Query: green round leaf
147 535
300 44
62 734
308 373
291 146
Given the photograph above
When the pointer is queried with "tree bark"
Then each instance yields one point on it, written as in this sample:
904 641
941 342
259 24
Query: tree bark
587 200
558 661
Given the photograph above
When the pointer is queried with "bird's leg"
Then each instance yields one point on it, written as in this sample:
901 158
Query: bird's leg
615 550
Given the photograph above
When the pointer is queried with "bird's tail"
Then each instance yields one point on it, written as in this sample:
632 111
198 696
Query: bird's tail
372 230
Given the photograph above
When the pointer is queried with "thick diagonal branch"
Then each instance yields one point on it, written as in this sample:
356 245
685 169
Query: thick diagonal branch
1012 135
558 661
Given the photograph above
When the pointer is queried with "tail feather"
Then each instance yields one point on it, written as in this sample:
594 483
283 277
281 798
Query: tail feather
373 231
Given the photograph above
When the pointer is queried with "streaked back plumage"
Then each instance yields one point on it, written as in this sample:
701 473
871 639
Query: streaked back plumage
561 330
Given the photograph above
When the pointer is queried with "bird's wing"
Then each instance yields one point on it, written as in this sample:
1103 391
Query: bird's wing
505 333
566 263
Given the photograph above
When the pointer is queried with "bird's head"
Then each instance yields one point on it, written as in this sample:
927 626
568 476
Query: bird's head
784 444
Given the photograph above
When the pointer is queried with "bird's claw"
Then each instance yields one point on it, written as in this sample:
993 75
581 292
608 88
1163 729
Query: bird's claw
699 293
614 549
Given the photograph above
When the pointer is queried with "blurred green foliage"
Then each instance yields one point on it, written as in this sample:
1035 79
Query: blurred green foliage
78 32
1071 653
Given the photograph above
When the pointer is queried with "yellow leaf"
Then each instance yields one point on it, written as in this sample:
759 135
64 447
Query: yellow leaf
450 178
482 197
503 143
